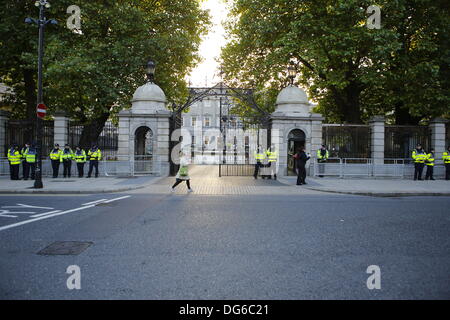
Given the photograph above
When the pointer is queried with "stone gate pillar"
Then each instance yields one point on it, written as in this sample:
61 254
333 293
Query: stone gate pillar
4 116
293 113
148 113
437 127
61 129
377 139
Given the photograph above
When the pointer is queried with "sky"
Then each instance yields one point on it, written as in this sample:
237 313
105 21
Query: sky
207 72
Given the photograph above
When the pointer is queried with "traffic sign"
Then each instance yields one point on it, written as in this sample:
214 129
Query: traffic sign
41 110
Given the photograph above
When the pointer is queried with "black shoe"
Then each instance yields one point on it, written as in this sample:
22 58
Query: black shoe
299 184
432 179
304 183
88 176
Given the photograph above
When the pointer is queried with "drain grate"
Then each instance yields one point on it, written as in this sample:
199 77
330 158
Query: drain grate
65 248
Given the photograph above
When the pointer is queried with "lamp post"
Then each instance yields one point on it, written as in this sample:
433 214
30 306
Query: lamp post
292 72
150 71
41 22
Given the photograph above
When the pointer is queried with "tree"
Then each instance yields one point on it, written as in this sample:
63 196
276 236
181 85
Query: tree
351 71
91 74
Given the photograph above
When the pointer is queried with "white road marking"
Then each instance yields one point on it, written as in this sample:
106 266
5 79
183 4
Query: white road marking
86 204
44 214
116 199
19 205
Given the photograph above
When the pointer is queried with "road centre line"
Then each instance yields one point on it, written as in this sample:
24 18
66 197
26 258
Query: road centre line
92 202
116 199
44 214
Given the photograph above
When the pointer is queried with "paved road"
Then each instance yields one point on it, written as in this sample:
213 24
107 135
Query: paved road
187 246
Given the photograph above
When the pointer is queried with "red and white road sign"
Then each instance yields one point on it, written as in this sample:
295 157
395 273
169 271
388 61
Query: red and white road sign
41 110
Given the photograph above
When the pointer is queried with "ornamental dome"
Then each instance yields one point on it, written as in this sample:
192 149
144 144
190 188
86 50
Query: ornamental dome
149 92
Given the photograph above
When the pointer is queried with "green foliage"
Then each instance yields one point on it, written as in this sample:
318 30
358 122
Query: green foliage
94 72
351 71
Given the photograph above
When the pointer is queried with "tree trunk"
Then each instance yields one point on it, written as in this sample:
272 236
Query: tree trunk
92 130
30 94
403 117
348 102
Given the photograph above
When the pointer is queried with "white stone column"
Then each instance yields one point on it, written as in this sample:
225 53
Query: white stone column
4 116
437 127
123 152
61 130
162 143
377 139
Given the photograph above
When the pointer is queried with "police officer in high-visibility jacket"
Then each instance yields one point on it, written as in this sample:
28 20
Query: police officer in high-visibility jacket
30 156
24 162
95 156
55 157
14 158
446 158
260 156
66 159
272 157
419 156
322 157
80 159
430 165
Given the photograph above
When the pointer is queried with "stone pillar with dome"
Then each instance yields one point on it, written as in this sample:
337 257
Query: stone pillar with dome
294 125
144 129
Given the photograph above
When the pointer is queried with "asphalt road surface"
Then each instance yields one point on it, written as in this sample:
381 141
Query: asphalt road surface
187 246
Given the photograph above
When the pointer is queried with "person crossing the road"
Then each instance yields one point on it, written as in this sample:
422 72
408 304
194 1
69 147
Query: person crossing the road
322 157
80 159
14 158
260 156
95 156
183 174
30 156
66 159
446 159
55 157
430 165
419 156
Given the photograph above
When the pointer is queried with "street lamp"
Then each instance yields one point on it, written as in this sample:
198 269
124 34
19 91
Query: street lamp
150 71
292 72
42 22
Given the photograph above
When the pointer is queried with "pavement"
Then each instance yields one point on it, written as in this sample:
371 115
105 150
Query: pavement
205 181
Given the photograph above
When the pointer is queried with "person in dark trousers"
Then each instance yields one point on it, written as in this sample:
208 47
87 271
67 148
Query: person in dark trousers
80 159
14 158
24 163
419 156
55 157
95 156
322 157
300 162
446 158
259 158
30 156
66 159
430 165
183 174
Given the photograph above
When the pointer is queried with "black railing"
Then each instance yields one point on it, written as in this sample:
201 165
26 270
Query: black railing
399 141
23 131
346 140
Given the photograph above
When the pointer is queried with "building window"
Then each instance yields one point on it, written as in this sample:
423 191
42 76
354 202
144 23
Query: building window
207 121
193 121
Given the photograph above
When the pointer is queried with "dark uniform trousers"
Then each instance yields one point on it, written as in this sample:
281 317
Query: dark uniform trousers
301 173
418 169
80 167
257 166
67 166
447 171
429 173
30 167
93 164
14 171
25 168
55 167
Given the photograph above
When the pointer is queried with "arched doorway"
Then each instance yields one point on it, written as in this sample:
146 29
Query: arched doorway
296 139
143 144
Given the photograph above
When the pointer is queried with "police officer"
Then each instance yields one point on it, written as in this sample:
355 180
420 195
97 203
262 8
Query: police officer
446 159
14 158
55 157
419 156
24 162
30 156
80 159
95 156
259 157
66 158
429 161
272 157
300 162
322 157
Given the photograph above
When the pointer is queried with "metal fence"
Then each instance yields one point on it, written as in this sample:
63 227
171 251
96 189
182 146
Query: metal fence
108 140
347 140
399 141
23 131
363 167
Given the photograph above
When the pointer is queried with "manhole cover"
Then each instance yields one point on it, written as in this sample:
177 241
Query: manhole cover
65 248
